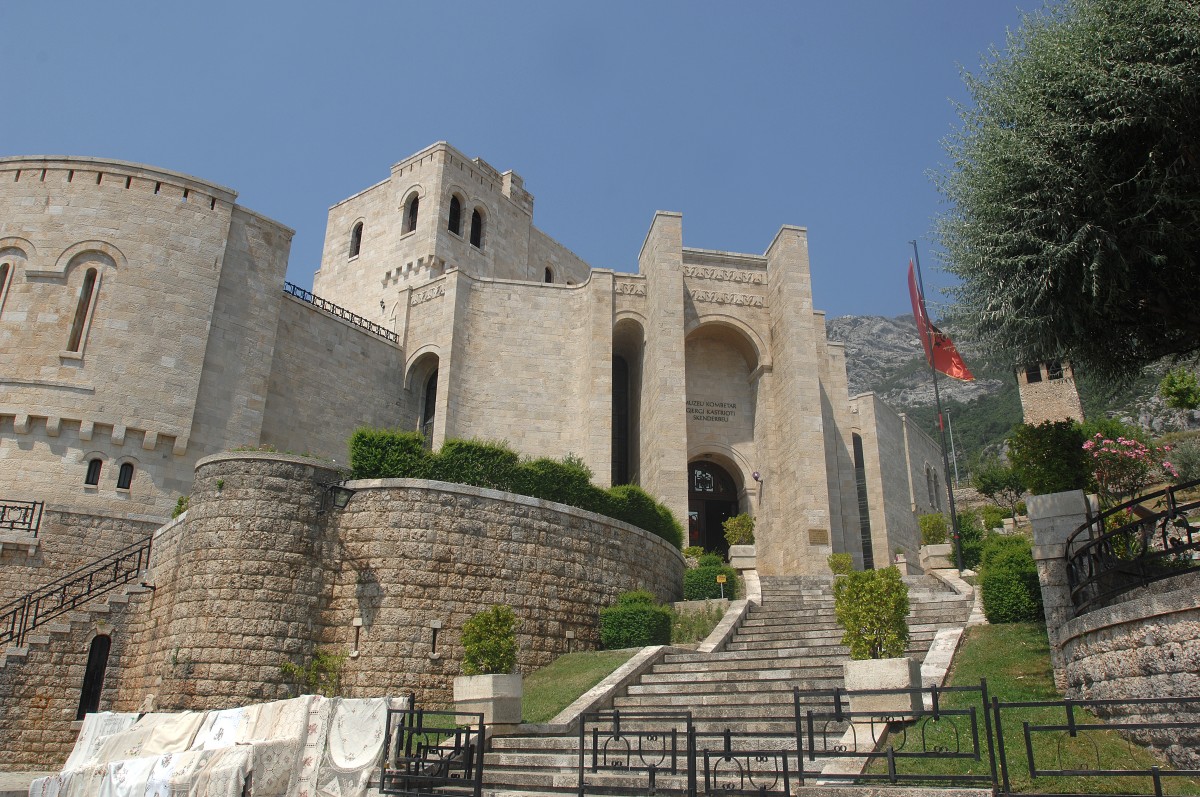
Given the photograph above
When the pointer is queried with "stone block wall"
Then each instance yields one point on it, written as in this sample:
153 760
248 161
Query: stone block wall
68 540
413 552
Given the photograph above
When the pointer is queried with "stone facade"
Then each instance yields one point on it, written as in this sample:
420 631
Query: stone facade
262 569
1048 393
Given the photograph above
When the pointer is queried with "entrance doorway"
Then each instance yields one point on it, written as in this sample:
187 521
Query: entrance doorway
712 499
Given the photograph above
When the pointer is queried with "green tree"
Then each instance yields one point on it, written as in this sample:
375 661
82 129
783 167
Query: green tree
1074 185
1180 389
1000 483
1049 457
872 605
489 640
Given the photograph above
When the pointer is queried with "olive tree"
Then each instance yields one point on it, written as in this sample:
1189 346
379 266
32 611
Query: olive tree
1074 188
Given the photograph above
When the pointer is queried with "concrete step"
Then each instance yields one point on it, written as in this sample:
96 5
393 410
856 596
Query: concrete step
734 666
740 680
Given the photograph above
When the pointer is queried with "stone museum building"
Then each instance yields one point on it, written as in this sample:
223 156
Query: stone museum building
146 327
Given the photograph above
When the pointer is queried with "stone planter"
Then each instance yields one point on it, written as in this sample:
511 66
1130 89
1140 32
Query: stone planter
937 557
497 697
899 674
742 557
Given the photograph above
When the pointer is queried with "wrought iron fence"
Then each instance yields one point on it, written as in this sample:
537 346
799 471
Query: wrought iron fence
743 764
340 312
432 752
29 611
885 729
21 516
1070 749
1132 545
657 747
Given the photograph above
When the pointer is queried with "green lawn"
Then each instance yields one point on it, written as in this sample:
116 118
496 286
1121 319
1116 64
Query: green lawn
1015 660
557 685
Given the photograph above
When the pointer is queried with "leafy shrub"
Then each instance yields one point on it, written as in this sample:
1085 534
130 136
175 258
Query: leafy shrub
1180 389
562 481
970 536
872 605
636 620
710 560
321 676
1000 482
841 563
935 530
181 506
992 517
388 454
693 552
695 626
1186 459
483 464
634 505
489 642
1008 581
1049 457
700 583
739 529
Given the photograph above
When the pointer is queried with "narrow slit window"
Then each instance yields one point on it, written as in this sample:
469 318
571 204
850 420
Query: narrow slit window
82 310
5 271
356 239
549 276
125 476
1033 373
410 213
476 229
455 223
93 472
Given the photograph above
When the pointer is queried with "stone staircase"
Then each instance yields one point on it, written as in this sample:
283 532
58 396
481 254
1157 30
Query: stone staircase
83 618
788 640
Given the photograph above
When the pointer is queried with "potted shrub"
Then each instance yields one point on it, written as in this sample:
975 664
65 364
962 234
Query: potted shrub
739 533
488 684
936 552
872 607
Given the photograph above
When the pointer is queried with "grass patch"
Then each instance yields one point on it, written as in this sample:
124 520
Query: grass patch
556 686
1015 659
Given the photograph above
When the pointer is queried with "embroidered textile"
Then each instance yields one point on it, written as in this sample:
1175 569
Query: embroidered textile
315 731
153 735
224 774
224 729
127 778
356 732
97 727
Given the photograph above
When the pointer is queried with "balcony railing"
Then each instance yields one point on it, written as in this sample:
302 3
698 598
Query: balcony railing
340 312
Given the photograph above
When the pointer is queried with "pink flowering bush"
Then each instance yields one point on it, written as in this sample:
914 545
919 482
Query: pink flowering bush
1124 467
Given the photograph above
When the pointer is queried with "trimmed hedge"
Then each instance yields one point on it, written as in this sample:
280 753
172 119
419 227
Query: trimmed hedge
392 454
635 621
1008 581
700 583
489 640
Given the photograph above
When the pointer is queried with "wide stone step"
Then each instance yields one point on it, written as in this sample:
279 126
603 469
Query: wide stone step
735 666
915 631
742 681
685 689
767 704
747 659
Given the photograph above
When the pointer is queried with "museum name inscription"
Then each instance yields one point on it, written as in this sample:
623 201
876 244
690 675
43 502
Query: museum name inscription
712 411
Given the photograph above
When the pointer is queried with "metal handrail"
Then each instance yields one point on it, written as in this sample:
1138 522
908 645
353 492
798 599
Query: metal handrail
23 516
340 312
1156 544
19 617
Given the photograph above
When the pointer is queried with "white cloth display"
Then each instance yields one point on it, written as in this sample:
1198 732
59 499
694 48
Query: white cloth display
355 742
97 727
316 731
224 774
153 735
223 729
127 778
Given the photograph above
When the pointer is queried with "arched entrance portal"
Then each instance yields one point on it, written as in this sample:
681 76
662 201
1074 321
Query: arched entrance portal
712 499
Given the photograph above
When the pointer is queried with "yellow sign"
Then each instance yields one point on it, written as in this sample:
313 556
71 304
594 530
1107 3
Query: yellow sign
720 579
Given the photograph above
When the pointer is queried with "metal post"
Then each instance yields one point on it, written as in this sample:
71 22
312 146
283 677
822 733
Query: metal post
953 453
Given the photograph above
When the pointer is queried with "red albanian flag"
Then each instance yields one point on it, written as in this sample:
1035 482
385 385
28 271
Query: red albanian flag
939 349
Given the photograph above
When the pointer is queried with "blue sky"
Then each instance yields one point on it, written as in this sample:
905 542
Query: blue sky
742 116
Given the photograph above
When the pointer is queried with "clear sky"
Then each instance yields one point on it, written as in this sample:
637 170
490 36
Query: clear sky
744 116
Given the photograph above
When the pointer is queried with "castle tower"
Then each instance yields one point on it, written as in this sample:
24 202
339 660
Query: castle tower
1048 392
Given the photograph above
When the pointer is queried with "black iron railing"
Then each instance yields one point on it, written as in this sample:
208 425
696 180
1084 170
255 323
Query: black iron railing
21 516
432 752
29 611
646 746
900 737
1066 743
1150 538
340 312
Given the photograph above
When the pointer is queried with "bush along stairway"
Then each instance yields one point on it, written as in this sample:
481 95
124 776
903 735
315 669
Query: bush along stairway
740 699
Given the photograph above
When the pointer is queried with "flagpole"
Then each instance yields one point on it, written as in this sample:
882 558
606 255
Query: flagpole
937 398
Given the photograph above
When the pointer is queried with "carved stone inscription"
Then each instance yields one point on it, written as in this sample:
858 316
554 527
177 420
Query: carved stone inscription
724 274
721 297
428 294
711 411
630 288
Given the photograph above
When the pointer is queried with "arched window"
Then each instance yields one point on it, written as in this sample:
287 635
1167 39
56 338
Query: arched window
356 240
410 213
93 472
476 229
455 224
83 311
5 273
93 676
549 275
125 476
429 408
